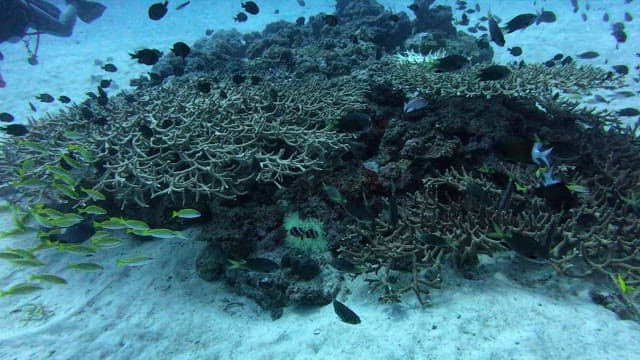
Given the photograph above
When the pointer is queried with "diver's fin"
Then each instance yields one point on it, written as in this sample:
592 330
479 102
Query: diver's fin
87 10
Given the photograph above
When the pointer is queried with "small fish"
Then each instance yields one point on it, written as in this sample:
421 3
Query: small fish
588 55
301 3
617 30
8 255
93 194
527 247
110 224
495 32
493 73
32 107
106 242
158 10
300 21
345 265
93 210
67 220
584 16
345 314
415 105
546 17
621 69
450 63
627 17
605 17
251 7
64 99
6 117
136 225
330 20
147 56
333 194
105 83
520 22
109 67
186 214
162 233
515 51
240 17
629 111
311 233
27 262
262 265
45 98
20 289
183 5
85 266
15 130
204 87
134 261
50 278
181 49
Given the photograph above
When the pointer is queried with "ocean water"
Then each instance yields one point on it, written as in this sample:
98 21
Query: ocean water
224 203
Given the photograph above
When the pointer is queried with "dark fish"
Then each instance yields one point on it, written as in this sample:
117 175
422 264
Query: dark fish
204 86
64 99
183 5
1 56
558 196
250 7
515 51
481 28
584 16
549 63
605 17
527 247
45 98
514 148
628 112
330 20
209 32
158 10
520 22
238 79
276 11
574 3
464 21
450 63
241 17
627 17
600 98
147 56
109 68
432 239
102 98
301 3
345 314
91 95
472 29
413 7
15 129
621 69
355 121
617 30
6 117
105 83
345 265
263 265
494 72
494 32
558 57
146 131
546 17
300 21
181 49
566 61
32 107
588 55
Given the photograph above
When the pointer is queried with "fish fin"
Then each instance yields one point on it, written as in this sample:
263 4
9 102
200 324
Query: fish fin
88 11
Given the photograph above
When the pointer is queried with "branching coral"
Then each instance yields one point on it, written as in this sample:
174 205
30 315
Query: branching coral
533 81
176 141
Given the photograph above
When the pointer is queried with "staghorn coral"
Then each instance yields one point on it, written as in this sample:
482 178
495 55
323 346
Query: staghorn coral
532 81
175 141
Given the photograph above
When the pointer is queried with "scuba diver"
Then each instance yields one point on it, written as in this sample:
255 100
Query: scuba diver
18 16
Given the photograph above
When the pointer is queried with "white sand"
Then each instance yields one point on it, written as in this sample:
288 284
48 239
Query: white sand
164 311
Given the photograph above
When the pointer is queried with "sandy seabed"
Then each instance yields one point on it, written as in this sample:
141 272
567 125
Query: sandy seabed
164 311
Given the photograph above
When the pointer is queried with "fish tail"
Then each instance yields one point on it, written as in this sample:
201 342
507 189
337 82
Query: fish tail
237 264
